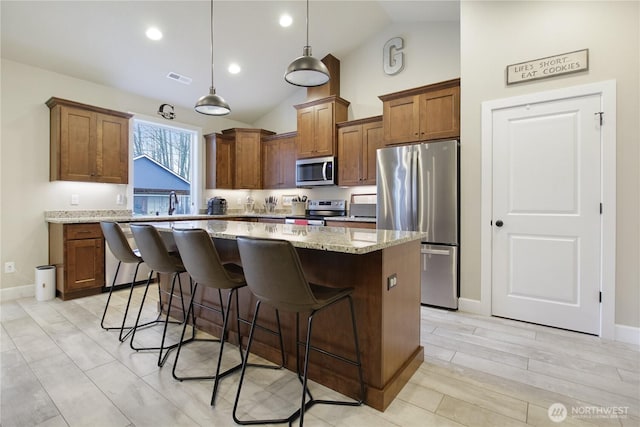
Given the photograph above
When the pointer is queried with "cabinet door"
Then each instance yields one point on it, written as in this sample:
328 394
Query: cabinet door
350 155
401 120
306 134
77 150
372 139
325 131
225 161
248 161
84 264
112 149
271 170
288 163
440 114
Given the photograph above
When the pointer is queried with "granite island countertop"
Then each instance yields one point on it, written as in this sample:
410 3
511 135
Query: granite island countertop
334 239
89 216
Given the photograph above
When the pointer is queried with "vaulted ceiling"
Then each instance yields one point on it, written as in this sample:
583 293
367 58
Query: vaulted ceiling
104 42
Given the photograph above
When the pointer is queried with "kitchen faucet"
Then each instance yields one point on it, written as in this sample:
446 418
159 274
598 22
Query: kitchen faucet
173 202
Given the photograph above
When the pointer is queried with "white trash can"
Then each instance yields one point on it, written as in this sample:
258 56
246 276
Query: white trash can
45 282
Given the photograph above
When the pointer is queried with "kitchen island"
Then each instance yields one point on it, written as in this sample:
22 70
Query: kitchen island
383 268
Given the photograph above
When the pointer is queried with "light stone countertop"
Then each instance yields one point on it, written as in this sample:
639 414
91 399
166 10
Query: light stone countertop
89 216
334 239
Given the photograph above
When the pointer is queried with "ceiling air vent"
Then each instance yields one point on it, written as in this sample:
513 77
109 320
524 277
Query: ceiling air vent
179 78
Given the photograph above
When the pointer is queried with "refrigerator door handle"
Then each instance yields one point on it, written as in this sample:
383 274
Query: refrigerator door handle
436 251
415 189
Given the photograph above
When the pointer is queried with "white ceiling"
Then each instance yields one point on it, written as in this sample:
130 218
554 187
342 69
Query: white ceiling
104 42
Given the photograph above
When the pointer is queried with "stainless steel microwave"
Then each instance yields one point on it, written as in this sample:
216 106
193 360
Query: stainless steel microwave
317 171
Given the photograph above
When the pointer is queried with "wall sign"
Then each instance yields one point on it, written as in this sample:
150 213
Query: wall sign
550 66
392 56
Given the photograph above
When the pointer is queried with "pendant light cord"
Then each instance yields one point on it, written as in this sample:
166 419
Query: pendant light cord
307 22
212 44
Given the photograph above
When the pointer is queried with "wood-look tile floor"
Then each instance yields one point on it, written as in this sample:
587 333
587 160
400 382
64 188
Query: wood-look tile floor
59 368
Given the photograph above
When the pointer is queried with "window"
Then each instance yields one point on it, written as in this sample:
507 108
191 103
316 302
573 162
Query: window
162 165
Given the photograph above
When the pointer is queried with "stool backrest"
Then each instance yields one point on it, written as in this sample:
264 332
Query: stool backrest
154 250
118 243
274 274
201 259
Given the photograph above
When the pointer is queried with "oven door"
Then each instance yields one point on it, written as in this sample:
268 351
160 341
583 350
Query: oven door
318 171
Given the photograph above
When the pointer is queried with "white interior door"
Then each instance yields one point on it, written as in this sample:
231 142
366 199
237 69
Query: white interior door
546 248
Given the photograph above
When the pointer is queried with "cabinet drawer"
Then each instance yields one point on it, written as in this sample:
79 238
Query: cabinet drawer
82 231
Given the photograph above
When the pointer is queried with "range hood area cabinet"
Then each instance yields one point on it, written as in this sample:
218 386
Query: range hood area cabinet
279 161
358 141
88 143
423 113
238 158
317 126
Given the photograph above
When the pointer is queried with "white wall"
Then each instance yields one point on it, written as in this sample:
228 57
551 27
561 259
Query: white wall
26 191
496 34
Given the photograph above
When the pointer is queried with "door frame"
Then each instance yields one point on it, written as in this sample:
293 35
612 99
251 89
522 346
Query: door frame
607 91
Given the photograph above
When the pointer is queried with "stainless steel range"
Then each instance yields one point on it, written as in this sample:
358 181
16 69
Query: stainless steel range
317 211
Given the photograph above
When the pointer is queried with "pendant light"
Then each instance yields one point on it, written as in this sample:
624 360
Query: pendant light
306 70
212 104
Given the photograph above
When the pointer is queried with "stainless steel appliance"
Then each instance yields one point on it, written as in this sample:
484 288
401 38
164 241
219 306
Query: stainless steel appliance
317 211
418 191
316 171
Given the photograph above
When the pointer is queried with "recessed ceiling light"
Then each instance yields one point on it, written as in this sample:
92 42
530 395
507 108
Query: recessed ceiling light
234 68
153 33
285 20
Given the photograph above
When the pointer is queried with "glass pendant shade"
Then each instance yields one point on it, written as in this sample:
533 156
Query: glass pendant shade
212 104
307 71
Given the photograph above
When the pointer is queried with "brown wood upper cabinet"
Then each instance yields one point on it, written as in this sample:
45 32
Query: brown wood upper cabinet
88 143
358 141
317 126
423 113
220 159
238 158
279 161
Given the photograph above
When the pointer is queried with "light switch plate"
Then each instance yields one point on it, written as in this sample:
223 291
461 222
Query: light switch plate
75 199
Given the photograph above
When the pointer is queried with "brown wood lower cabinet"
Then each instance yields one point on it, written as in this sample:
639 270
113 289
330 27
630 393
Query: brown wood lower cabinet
77 251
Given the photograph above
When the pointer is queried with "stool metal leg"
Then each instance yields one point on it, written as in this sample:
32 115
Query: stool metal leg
305 404
166 321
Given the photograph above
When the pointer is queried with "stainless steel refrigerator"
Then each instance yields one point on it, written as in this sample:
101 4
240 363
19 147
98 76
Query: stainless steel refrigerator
418 191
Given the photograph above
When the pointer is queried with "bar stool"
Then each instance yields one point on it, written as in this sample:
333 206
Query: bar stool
203 264
154 251
274 274
119 246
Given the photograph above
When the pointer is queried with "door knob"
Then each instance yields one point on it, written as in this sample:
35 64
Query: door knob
499 223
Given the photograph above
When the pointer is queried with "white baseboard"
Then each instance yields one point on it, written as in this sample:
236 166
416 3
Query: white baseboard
627 334
8 294
472 306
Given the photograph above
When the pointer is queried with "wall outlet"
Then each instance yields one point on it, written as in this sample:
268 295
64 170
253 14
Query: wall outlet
120 199
9 267
75 199
392 281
